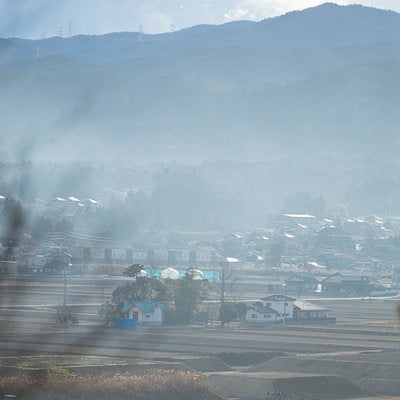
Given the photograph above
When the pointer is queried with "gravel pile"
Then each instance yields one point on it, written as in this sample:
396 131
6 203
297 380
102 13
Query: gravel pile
283 386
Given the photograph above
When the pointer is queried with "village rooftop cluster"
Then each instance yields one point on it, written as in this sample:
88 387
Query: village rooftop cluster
295 244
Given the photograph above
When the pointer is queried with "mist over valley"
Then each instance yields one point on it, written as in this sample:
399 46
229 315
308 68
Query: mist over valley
211 212
214 123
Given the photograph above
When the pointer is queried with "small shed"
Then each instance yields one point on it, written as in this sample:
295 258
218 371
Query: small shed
145 313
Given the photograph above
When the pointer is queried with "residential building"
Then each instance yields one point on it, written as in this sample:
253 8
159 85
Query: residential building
261 314
305 310
341 285
145 313
301 284
282 304
281 308
332 239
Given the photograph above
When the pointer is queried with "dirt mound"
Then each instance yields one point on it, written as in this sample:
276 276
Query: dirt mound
352 370
206 364
247 358
386 387
377 377
283 386
317 387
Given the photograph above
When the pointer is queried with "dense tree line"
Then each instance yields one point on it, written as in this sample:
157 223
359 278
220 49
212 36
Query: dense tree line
185 295
222 195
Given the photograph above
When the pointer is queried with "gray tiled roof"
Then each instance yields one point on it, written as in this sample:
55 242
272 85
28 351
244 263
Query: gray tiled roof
278 297
264 310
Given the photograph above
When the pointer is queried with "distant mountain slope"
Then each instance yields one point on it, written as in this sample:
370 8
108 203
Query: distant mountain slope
326 25
315 81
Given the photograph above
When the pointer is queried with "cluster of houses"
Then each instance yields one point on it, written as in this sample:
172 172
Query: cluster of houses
361 244
188 257
301 240
336 284
277 308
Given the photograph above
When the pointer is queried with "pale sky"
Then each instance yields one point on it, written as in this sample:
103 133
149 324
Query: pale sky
43 18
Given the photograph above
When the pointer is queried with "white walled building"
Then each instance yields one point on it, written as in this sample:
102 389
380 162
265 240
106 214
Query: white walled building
146 313
261 314
282 304
282 308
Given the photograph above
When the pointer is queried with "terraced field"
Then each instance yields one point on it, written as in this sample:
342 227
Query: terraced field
361 348
28 308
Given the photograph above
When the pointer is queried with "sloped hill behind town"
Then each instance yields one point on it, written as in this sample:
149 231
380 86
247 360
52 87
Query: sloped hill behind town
244 90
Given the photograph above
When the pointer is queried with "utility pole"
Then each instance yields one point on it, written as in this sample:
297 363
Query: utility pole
65 287
222 292
284 303
66 264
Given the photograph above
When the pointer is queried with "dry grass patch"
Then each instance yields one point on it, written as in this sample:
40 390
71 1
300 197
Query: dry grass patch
155 385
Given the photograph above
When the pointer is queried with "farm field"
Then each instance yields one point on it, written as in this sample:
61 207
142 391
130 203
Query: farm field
365 335
28 309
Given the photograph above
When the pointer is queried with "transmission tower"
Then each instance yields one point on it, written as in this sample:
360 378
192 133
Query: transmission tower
140 33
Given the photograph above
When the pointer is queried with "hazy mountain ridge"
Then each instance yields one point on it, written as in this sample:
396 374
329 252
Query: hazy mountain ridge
325 25
323 76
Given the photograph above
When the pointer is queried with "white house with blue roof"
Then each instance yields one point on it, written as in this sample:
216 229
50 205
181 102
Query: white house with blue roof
145 313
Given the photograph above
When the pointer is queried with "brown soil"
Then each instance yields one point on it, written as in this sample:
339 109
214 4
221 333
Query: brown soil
282 386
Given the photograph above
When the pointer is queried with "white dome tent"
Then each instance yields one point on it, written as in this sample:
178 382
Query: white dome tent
197 274
169 273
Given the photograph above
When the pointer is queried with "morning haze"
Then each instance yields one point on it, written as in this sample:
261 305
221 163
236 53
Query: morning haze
167 194
305 99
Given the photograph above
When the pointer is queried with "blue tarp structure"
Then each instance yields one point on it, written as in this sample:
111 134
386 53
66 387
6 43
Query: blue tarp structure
125 322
